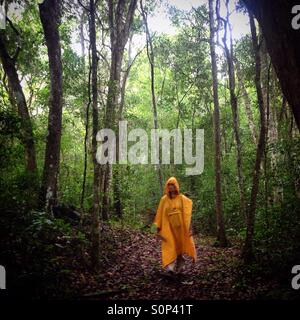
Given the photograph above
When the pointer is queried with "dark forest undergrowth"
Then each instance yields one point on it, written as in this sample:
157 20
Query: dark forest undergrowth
50 259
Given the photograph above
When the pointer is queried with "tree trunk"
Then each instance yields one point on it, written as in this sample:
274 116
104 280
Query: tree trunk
234 109
221 237
117 167
120 21
271 118
247 102
96 184
50 11
125 76
283 43
16 95
86 108
150 54
248 246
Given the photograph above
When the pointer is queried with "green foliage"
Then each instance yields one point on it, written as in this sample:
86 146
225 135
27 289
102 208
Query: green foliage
183 87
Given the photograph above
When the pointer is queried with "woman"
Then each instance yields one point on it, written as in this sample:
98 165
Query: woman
173 225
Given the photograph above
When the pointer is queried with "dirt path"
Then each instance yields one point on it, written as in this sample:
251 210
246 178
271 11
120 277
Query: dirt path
134 271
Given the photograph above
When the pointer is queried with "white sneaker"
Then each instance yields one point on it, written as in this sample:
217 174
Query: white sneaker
171 267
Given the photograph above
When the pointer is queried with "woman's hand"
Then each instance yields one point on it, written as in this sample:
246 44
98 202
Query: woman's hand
153 228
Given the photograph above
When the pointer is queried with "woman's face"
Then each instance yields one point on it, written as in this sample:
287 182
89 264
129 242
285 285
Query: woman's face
172 188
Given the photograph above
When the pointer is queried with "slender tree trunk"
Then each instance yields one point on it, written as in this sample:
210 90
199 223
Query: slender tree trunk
247 102
234 109
271 118
86 136
125 77
16 95
50 11
117 167
248 246
265 81
112 97
120 22
221 237
86 108
150 53
95 254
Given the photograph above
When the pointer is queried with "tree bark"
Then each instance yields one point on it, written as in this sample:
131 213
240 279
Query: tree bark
234 108
150 54
283 43
221 237
248 245
268 76
86 107
95 254
120 21
247 102
50 12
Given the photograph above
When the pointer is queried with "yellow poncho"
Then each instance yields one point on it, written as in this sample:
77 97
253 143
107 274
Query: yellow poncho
177 238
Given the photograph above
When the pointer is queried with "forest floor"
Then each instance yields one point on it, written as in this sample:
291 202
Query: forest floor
132 270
